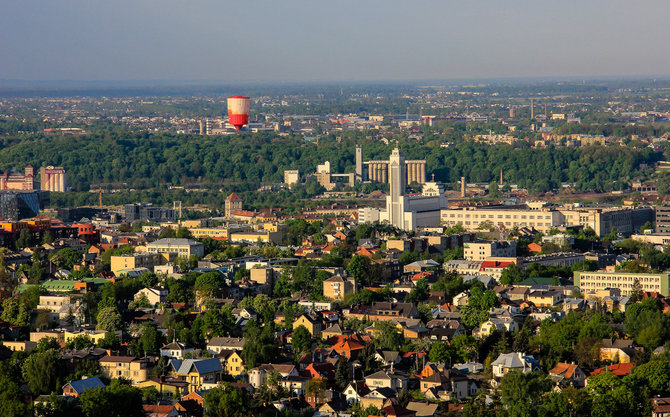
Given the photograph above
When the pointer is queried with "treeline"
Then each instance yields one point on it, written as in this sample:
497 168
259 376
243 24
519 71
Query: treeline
120 158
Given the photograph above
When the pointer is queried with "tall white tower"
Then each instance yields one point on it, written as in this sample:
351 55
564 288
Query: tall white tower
359 163
395 203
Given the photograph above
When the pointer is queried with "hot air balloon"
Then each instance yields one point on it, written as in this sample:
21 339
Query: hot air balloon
238 111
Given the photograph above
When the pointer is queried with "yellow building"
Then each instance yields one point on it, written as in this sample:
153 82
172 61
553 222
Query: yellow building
211 232
232 362
311 324
264 236
199 373
127 367
172 386
94 335
590 282
135 260
19 345
337 288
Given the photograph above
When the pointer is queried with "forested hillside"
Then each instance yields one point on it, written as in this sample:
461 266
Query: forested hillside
122 158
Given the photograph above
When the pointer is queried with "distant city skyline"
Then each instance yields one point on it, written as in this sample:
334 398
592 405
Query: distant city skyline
306 41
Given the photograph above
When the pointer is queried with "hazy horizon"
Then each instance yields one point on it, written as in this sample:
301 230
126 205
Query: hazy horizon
347 41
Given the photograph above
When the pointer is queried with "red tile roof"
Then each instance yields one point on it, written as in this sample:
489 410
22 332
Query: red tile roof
619 369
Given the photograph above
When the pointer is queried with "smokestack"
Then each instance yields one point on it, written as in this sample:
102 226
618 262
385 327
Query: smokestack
501 181
462 186
532 110
545 112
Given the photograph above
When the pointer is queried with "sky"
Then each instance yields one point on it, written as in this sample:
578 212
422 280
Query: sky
338 40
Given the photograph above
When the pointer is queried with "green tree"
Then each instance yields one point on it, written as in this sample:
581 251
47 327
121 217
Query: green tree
25 239
260 345
418 293
110 341
439 352
116 400
511 275
521 393
109 319
184 233
342 374
359 267
166 233
301 339
66 258
150 340
227 401
47 238
42 371
36 272
636 292
56 406
388 335
80 342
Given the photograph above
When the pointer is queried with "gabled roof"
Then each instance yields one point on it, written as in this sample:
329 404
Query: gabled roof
175 346
201 366
348 344
378 375
382 392
515 360
422 409
617 343
227 341
86 384
397 410
564 369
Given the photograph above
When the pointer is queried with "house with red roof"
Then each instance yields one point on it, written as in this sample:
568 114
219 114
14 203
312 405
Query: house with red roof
564 374
324 370
349 346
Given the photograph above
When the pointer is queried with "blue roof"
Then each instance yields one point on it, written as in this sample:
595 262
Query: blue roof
202 366
176 364
86 384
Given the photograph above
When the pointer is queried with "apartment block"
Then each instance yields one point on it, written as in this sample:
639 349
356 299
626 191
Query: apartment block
179 247
135 260
471 218
590 282
662 219
480 251
337 287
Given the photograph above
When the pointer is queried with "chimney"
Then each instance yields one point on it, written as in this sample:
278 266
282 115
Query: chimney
462 186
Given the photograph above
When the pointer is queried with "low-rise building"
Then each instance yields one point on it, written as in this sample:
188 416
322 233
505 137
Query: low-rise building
180 247
127 367
514 361
199 373
217 344
76 388
312 324
175 350
568 374
134 260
